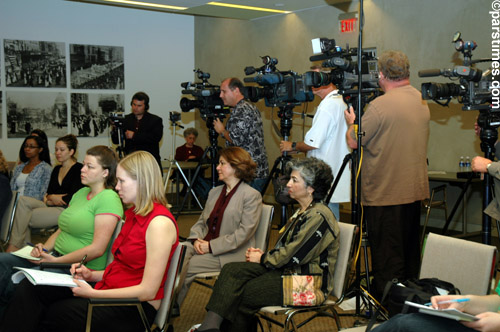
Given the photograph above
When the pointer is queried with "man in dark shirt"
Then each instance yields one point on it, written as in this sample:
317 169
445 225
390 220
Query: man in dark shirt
142 130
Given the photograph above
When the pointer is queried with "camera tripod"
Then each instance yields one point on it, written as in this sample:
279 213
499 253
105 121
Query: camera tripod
210 154
175 163
121 139
285 113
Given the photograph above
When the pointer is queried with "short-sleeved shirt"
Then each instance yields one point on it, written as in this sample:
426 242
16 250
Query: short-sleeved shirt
129 251
77 222
327 135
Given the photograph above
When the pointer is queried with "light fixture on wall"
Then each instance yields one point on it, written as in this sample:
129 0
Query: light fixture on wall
147 4
262 9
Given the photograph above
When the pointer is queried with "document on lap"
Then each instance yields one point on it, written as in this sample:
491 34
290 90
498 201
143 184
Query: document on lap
25 253
37 277
446 313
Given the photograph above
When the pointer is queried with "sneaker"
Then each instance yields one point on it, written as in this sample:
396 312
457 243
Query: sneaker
194 328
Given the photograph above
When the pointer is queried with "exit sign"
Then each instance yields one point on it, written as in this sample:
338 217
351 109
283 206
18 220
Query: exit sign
348 22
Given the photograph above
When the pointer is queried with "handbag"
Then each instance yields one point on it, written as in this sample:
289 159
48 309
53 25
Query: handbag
302 290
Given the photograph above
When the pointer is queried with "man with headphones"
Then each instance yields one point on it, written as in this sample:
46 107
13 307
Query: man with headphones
142 130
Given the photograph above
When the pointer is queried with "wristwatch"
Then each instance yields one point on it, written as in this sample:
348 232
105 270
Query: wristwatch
294 146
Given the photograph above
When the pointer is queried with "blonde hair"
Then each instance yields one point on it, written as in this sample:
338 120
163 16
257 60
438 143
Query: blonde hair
143 167
4 167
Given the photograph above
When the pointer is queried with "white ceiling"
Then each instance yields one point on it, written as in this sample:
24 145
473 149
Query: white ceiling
200 7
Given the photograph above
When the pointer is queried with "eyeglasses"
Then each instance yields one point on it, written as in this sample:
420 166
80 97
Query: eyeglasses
30 146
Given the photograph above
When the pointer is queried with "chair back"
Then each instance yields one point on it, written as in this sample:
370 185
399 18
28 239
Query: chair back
117 231
467 265
170 288
264 227
344 256
8 218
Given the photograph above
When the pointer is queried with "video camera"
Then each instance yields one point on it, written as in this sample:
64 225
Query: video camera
207 99
344 73
474 90
116 118
279 88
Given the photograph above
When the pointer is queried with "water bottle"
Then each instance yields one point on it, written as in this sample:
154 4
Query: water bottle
467 164
461 164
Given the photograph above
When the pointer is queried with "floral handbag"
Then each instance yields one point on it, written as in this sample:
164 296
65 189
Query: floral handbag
302 290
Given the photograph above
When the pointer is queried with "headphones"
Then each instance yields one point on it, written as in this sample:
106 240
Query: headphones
141 96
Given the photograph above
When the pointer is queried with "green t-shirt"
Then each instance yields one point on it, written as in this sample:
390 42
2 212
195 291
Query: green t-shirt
77 222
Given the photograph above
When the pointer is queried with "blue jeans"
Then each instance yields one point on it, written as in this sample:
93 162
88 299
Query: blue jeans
421 322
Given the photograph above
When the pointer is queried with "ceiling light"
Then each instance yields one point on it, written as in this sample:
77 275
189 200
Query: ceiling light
147 4
213 3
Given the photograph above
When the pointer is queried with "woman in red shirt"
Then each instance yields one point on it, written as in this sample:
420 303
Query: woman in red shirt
142 254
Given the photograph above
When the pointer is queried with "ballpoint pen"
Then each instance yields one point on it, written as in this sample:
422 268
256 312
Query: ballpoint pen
31 244
450 301
80 265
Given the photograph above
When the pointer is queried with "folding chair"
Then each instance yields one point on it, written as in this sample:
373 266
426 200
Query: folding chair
470 266
161 322
340 281
261 241
8 220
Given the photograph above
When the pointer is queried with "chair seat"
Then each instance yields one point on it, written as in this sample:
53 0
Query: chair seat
208 275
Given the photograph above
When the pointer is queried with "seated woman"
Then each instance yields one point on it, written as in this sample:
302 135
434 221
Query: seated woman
308 245
5 192
142 254
227 225
64 182
486 308
189 151
31 177
85 227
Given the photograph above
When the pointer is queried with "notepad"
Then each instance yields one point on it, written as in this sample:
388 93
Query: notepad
446 313
37 277
25 253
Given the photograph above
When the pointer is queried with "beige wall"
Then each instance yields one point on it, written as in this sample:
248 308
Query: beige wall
423 29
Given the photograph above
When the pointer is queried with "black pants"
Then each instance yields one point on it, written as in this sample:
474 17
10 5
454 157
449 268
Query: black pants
241 290
393 234
54 309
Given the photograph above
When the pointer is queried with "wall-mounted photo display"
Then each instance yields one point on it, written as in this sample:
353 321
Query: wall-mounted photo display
97 67
1 114
28 110
34 64
91 113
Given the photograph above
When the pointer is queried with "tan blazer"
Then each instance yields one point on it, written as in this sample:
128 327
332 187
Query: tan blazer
239 223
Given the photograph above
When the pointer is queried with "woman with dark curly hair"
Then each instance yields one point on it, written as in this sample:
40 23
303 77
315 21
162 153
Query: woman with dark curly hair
308 246
227 225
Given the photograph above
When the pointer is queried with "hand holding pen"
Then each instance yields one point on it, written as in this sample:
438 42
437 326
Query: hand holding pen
449 301
79 270
37 249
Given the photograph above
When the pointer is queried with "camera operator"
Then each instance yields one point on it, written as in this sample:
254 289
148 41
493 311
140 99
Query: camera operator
326 140
142 130
244 128
484 165
394 176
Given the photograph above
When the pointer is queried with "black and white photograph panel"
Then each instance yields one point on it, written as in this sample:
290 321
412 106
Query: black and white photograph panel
97 67
39 64
1 114
28 110
90 113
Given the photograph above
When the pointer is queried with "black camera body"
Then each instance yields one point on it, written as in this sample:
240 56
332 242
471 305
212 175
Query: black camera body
474 88
344 73
279 89
206 98
116 118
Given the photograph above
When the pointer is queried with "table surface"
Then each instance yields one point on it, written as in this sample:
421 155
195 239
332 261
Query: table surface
448 177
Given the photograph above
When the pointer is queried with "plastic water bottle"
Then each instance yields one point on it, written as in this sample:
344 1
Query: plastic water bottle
467 164
461 164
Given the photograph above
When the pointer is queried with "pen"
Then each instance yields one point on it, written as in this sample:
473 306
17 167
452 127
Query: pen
31 244
80 265
450 301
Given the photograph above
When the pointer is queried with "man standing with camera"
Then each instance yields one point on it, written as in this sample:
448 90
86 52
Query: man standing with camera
244 128
326 140
142 130
394 171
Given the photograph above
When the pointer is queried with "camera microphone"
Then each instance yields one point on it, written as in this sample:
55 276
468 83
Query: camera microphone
430 72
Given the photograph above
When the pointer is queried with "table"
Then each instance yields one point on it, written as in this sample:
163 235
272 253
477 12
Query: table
451 178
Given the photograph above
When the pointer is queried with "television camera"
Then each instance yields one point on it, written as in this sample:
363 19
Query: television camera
474 88
207 99
279 88
116 118
344 72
